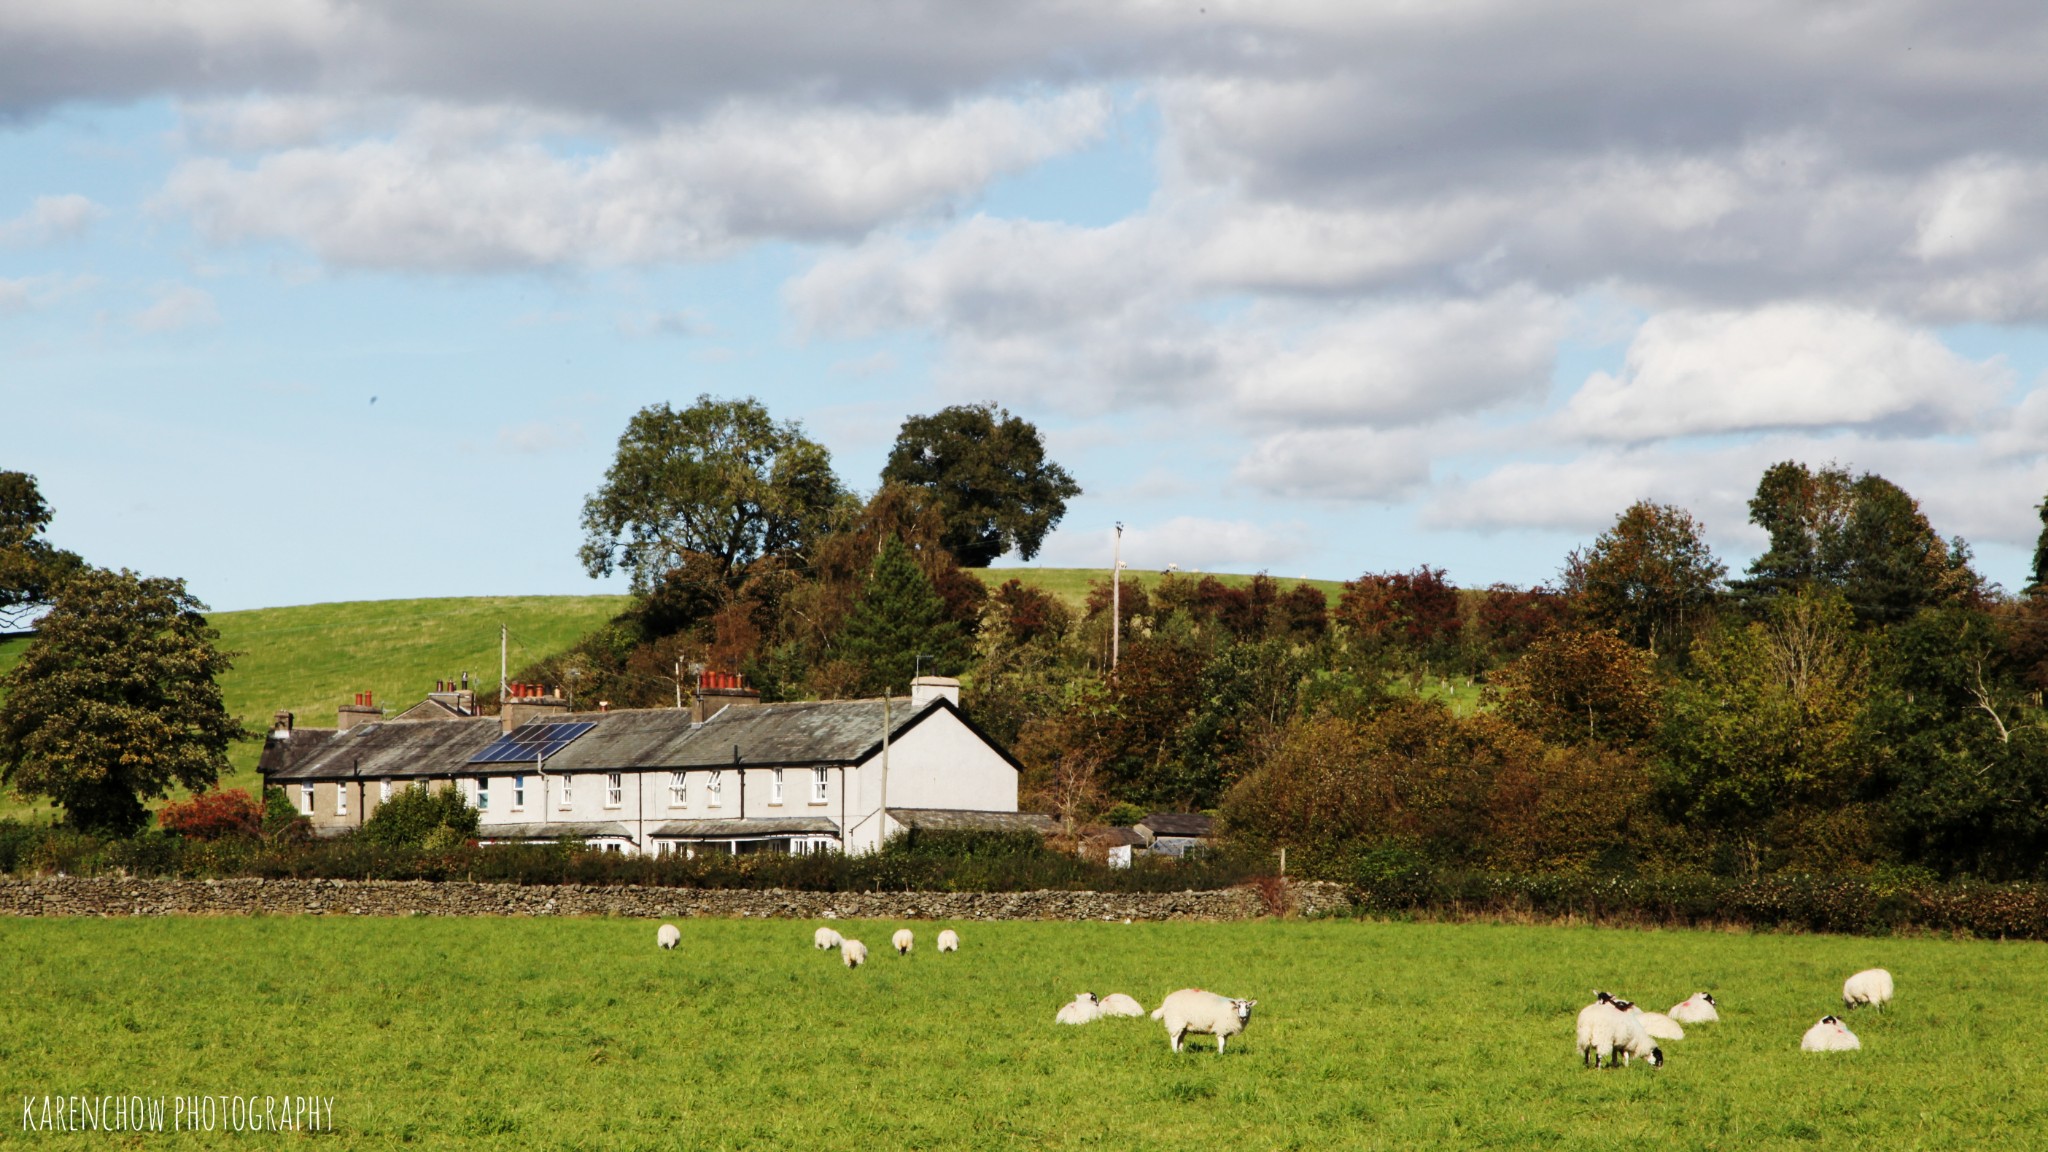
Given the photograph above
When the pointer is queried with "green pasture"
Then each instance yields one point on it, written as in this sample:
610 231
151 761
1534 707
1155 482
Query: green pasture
518 1034
1071 584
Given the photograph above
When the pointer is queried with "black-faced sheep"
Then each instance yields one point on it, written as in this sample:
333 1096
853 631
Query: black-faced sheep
1609 1034
1698 1008
1870 986
1830 1035
1082 1009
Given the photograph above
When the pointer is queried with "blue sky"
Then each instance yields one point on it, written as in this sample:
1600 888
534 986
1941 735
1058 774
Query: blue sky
1312 289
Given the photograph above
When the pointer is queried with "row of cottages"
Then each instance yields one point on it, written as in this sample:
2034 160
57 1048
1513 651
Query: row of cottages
728 774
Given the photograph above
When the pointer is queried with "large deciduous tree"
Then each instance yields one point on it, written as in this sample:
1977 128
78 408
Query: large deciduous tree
720 478
116 702
1651 578
988 469
31 568
1578 687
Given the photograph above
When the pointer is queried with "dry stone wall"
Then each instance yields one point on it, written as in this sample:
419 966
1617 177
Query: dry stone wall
106 896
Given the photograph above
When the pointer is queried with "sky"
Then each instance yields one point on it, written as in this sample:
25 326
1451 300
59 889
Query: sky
313 300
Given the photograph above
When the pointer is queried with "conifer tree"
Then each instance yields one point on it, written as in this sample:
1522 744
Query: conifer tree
898 617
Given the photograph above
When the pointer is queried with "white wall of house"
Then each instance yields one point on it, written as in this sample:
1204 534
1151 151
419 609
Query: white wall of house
940 763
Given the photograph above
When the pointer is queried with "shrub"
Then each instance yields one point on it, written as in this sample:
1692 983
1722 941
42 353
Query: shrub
212 815
412 814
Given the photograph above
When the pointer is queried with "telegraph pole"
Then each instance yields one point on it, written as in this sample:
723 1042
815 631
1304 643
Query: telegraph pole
1116 598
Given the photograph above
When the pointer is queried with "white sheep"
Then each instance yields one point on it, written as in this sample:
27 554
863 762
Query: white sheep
824 939
1118 1004
853 953
1082 1009
949 941
1191 1010
902 941
1657 1025
669 936
1870 986
1607 1031
1698 1008
1830 1035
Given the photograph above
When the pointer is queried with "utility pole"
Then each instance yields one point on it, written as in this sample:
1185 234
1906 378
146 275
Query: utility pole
1116 598
504 645
679 682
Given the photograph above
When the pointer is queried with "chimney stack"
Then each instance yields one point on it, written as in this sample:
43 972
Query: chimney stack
363 711
524 702
717 691
926 689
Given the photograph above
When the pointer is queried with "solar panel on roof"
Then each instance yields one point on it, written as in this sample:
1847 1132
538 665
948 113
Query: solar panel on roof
530 742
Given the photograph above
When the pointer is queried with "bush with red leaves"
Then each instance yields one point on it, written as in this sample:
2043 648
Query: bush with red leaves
213 815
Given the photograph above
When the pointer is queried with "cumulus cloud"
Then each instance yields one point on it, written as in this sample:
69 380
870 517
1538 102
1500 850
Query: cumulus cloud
51 218
1784 366
178 307
482 190
1337 464
1187 541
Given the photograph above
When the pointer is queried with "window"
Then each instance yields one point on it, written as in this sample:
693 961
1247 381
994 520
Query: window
341 799
614 790
483 793
714 789
383 790
518 792
678 789
818 780
306 799
568 784
775 787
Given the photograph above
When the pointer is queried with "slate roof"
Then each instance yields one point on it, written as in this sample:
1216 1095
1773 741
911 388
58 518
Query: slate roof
280 754
742 829
410 748
553 831
1117 837
972 820
1177 824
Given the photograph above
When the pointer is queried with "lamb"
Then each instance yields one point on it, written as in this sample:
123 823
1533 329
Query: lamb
1608 1030
1083 1009
853 953
949 941
1191 1010
825 938
1697 1008
668 937
1870 986
1657 1024
1830 1035
902 941
1118 1004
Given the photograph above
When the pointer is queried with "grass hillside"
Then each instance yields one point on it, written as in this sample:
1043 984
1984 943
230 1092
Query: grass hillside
1071 584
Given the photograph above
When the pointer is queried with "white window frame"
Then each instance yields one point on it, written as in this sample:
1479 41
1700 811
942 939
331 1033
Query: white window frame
614 790
383 790
775 787
306 799
568 791
518 792
341 798
714 790
678 789
483 793
821 778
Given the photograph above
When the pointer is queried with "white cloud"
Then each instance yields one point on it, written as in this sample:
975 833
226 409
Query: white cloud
539 436
487 190
1188 541
1784 366
1352 464
51 218
178 307
683 322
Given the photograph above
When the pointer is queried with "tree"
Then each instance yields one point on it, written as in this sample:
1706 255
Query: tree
415 817
116 702
898 617
989 472
1863 536
1651 578
718 478
1575 687
31 569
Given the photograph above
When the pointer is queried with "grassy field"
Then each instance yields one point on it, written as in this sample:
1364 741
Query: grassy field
1071 584
492 1033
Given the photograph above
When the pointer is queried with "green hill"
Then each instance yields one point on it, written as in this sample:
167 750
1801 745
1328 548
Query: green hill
1071 584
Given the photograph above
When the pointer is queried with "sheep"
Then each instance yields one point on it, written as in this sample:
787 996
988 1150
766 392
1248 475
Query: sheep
1656 1024
1830 1035
668 937
1607 1031
1870 986
1191 1010
1082 1009
824 939
949 941
853 953
1698 1008
1118 1004
902 941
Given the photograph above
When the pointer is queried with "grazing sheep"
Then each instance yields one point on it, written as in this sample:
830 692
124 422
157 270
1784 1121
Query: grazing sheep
902 941
1607 1031
949 941
853 953
1191 1010
1083 1009
1870 986
669 936
825 938
1830 1035
1118 1004
1656 1024
1698 1008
